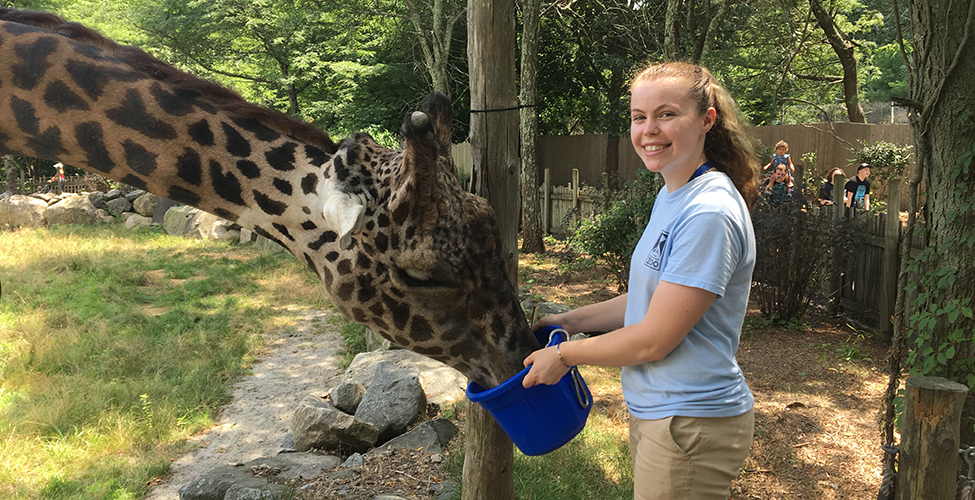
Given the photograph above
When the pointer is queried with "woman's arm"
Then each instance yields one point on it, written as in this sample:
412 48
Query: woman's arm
599 317
673 310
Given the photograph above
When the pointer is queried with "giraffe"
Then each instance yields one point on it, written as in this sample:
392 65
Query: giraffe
399 246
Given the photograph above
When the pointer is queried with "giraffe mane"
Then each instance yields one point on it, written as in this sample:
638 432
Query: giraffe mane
222 97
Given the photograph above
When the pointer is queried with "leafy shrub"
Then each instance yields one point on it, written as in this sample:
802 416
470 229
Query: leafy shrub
795 250
610 235
886 160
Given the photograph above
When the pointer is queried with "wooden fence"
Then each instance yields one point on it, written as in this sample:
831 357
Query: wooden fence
864 291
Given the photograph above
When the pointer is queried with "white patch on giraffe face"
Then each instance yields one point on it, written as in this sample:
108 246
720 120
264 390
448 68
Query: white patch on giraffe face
344 213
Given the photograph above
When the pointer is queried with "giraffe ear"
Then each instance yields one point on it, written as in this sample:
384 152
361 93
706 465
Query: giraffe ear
344 213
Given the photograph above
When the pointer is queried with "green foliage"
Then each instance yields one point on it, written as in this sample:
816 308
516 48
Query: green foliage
794 251
940 338
610 235
886 160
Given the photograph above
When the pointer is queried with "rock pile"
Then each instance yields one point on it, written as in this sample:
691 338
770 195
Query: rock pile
378 407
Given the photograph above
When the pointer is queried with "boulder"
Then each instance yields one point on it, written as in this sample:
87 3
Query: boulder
22 211
133 195
393 401
145 205
442 384
243 482
317 424
119 205
136 221
74 209
429 437
346 396
192 222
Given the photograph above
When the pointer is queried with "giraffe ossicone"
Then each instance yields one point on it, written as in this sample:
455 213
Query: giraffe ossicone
398 244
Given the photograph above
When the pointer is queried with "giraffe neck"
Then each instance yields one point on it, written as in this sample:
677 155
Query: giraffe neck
158 129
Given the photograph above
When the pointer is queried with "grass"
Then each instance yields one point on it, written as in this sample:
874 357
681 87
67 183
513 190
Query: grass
116 345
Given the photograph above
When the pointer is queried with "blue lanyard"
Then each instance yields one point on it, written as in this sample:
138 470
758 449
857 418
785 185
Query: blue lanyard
700 170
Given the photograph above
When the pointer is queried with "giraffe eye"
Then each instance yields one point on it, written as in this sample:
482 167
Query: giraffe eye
423 280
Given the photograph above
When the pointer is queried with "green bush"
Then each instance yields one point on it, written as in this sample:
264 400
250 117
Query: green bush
609 236
796 246
886 160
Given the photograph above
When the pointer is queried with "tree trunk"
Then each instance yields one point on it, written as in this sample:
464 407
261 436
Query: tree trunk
531 225
944 136
672 31
845 51
489 455
11 169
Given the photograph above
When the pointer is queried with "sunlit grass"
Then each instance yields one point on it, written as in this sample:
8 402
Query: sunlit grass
116 345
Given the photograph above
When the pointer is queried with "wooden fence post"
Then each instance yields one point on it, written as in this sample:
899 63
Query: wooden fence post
575 196
888 280
930 438
838 214
547 204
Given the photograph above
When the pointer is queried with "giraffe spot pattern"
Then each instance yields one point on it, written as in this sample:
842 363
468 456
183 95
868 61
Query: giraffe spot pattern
309 225
249 169
25 116
47 144
236 144
283 186
316 156
283 230
282 157
139 158
178 103
132 114
189 167
227 186
93 79
133 181
367 291
309 184
183 195
61 98
331 256
269 205
326 237
201 134
28 74
92 140
255 127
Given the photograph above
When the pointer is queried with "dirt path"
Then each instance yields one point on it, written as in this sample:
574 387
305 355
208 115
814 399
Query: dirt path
298 359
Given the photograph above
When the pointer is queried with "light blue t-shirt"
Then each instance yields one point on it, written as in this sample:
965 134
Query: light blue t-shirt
701 236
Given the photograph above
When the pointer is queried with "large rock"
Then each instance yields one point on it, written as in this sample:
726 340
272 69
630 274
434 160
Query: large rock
145 205
119 205
244 482
74 209
393 401
346 396
317 424
192 222
431 437
442 384
22 211
136 221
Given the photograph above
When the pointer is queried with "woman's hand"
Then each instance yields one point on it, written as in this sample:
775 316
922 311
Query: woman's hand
546 367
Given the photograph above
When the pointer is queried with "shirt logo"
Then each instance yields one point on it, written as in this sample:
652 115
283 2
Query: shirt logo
657 252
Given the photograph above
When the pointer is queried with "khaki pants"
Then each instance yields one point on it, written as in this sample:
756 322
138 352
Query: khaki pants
678 458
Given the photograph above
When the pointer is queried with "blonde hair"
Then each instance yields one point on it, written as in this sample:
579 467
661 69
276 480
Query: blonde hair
726 145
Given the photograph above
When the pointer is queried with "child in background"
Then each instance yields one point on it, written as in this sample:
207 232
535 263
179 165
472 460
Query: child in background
780 157
777 188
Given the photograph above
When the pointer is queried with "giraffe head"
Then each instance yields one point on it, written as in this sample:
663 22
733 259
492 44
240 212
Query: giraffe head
420 259
399 246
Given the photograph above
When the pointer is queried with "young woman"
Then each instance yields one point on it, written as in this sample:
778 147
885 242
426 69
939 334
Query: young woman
676 331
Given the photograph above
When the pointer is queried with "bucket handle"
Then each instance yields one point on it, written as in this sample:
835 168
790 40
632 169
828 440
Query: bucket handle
577 384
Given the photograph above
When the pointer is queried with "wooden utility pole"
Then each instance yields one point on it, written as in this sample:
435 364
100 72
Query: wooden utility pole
930 439
489 453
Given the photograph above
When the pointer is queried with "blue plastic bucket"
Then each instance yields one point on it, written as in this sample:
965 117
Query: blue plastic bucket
544 417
